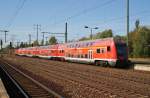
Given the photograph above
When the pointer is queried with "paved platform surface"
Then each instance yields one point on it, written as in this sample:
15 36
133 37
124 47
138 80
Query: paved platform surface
3 92
141 63
143 67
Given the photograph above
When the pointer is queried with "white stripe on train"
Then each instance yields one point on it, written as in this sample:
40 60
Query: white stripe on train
83 60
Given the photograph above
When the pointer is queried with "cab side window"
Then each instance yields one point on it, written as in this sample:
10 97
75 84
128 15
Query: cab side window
108 48
98 50
86 56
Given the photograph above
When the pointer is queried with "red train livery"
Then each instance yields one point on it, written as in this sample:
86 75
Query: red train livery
105 52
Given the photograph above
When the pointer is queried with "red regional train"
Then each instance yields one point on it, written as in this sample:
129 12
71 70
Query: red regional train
104 52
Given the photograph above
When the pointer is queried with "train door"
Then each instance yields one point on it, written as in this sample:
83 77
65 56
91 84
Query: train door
90 54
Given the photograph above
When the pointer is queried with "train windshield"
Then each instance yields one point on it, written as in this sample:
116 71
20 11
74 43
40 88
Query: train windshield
121 50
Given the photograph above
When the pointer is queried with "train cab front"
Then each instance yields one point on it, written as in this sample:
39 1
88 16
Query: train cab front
122 55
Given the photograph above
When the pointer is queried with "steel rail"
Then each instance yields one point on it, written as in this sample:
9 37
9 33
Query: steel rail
15 83
36 82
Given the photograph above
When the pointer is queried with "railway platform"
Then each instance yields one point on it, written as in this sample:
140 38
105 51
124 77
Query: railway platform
141 64
3 92
143 67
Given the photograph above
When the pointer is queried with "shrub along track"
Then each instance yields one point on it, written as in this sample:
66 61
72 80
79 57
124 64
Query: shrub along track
83 81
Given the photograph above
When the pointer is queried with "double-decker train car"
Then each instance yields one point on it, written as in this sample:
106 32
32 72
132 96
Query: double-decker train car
21 51
105 52
44 52
100 52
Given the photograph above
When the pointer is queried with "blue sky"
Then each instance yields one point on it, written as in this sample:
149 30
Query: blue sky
52 15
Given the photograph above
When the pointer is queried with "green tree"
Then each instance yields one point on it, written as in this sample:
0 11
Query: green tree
137 23
42 42
35 43
22 45
141 39
104 34
119 37
138 39
84 38
52 40
130 41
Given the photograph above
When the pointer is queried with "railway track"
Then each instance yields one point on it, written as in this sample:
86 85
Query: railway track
86 82
128 75
33 88
94 82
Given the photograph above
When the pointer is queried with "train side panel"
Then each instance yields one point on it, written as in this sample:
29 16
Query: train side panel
100 52
91 51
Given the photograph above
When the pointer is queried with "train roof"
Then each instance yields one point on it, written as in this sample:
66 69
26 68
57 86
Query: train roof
78 44
102 39
89 42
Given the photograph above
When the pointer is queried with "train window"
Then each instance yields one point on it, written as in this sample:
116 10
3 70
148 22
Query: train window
73 46
78 56
91 44
103 50
77 45
108 48
83 45
82 56
85 55
62 51
98 51
87 44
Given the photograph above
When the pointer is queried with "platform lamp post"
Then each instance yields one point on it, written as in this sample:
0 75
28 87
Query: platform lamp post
5 31
46 40
91 29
